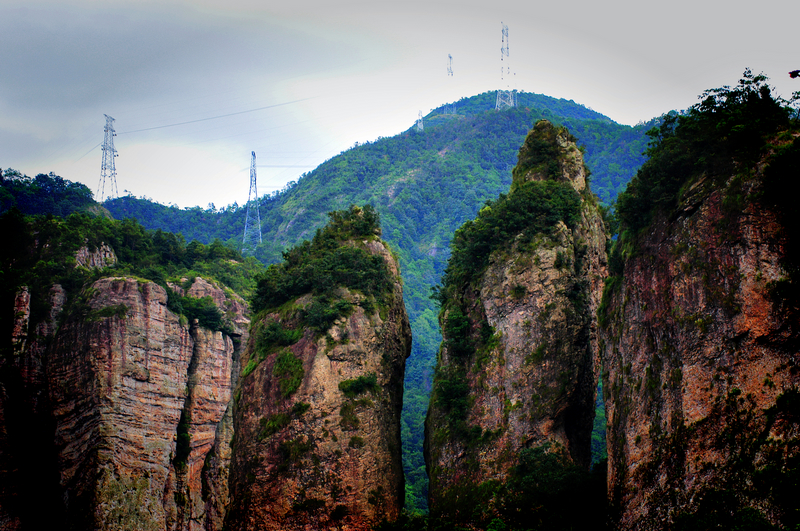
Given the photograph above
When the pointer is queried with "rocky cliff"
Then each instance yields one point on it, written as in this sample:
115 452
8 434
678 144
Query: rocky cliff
701 335
317 412
516 370
126 404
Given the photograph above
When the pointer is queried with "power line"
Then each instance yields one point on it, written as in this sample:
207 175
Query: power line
286 166
100 144
215 117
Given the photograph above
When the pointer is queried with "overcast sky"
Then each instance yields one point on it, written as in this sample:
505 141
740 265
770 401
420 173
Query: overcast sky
194 87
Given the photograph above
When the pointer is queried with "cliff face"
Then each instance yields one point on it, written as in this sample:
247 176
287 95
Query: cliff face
131 401
116 418
700 353
529 379
317 413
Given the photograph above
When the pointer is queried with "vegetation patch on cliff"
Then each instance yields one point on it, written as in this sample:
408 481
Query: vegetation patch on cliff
362 384
277 421
728 130
203 309
292 451
533 207
269 338
540 153
288 369
119 311
325 263
183 445
780 176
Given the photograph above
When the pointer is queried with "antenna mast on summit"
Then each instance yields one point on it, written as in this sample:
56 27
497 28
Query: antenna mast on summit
505 97
252 234
108 171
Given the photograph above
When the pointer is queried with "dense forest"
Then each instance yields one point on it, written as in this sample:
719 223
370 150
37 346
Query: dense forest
44 194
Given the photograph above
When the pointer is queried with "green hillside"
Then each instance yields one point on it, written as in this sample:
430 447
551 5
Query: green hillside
44 194
424 184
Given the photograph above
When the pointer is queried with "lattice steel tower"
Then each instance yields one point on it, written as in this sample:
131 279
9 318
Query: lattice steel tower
505 98
252 234
450 109
108 171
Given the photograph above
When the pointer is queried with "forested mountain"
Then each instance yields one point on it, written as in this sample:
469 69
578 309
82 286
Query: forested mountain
424 184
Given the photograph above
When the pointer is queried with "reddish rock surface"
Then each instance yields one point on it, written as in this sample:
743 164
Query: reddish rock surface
111 385
318 459
701 363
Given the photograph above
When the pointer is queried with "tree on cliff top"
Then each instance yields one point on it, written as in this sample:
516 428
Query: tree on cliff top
729 128
530 207
43 194
325 263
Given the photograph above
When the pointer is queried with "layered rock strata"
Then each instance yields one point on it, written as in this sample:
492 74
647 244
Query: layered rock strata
116 385
318 417
700 353
530 376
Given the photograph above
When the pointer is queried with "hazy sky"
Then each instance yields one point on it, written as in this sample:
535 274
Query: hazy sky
300 81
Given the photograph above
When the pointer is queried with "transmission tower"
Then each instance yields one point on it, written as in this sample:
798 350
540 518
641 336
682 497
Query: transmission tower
252 234
420 125
108 171
505 97
450 109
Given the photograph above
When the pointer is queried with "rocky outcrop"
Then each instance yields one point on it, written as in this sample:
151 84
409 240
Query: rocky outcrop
131 400
317 413
102 256
700 353
22 315
528 379
233 307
